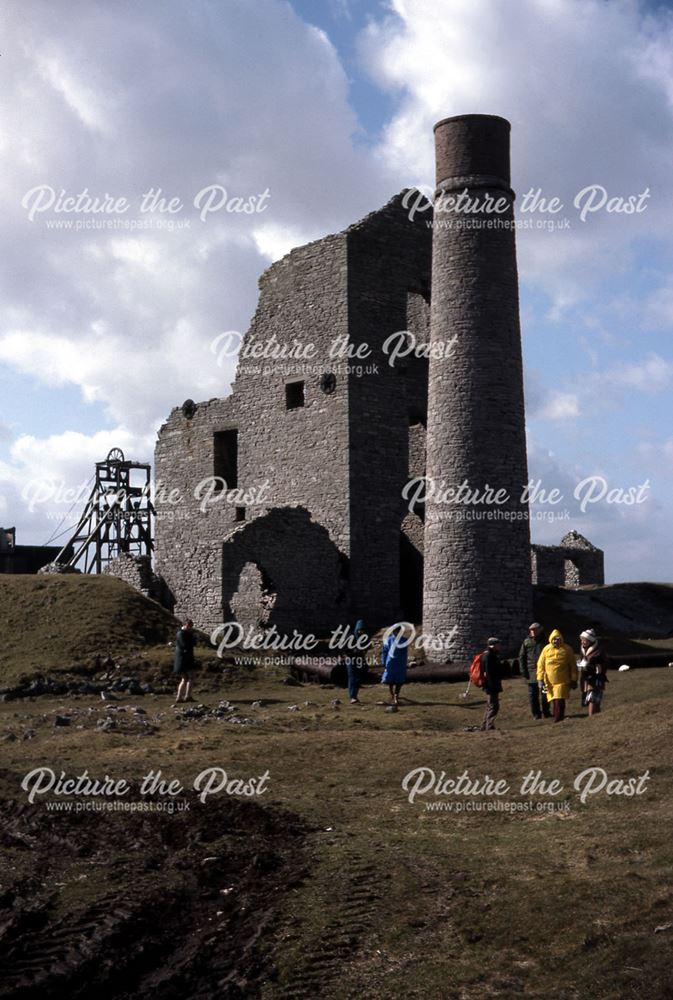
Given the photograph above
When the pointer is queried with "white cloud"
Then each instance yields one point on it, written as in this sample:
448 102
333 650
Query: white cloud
273 242
654 374
45 482
561 406
173 100
587 86
543 402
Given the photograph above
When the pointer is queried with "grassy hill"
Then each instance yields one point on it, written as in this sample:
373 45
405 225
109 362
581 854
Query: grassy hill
51 623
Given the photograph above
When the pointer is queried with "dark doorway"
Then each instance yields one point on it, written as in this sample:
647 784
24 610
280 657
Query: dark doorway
411 580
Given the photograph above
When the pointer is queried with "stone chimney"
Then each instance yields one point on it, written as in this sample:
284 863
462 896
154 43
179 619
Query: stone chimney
477 540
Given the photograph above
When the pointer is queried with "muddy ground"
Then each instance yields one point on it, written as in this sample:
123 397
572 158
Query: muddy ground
330 883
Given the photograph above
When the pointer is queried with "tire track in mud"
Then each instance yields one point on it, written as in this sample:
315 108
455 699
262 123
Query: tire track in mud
170 908
350 897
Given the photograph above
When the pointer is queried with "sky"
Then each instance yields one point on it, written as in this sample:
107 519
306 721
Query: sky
309 114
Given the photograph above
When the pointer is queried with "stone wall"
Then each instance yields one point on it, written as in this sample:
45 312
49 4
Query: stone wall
574 563
316 530
138 573
389 261
340 459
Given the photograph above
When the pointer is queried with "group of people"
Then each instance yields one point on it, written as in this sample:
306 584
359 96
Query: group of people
551 670
393 659
549 667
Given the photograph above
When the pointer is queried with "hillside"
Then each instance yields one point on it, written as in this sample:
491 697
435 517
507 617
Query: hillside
56 622
634 619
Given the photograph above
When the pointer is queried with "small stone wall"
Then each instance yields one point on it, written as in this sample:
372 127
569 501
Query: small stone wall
574 563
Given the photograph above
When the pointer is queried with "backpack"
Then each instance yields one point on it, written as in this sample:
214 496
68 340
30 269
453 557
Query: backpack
476 673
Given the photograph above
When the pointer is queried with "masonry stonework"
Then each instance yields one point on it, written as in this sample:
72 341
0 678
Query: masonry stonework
325 476
574 563
312 528
477 562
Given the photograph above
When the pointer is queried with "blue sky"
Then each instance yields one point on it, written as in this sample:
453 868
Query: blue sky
329 106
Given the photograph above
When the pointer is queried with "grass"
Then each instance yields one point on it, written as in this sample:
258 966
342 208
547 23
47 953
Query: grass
341 888
51 623
396 901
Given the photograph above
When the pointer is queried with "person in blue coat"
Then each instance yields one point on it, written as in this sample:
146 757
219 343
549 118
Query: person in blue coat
356 665
394 660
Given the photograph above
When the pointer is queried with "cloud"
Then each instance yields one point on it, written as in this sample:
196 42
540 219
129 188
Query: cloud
560 406
126 306
650 375
654 374
46 481
546 403
582 82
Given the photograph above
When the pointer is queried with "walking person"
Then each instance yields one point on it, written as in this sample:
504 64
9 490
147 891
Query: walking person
491 670
183 664
593 666
557 670
529 654
394 660
356 664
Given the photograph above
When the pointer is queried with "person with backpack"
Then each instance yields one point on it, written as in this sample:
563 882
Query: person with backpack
593 665
529 654
491 673
557 670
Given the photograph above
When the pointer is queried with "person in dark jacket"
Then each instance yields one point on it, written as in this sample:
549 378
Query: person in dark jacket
529 654
356 664
183 665
491 670
593 667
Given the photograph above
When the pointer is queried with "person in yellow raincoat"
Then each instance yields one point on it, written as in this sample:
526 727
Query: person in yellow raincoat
556 673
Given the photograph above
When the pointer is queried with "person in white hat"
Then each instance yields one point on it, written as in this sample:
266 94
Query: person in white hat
593 671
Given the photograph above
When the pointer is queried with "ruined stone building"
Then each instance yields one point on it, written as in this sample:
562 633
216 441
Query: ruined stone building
573 563
312 528
332 536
